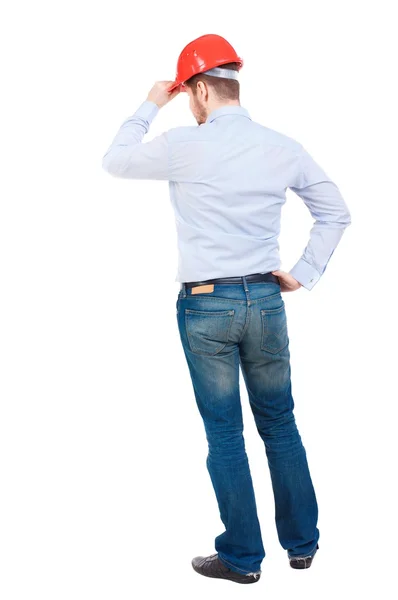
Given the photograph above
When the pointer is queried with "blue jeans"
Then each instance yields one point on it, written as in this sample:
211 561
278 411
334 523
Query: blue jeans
245 324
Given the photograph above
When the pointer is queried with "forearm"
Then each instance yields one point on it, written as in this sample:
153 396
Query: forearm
324 239
117 160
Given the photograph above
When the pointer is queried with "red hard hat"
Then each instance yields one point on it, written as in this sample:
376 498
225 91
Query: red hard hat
204 53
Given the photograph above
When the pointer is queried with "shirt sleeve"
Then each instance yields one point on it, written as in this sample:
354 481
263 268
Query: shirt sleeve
129 158
327 206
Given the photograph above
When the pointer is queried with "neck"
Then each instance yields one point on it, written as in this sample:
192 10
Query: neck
216 105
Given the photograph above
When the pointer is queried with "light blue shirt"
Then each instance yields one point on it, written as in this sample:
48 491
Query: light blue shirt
227 181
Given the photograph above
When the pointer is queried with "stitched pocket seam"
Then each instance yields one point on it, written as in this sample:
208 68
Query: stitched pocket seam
222 313
265 332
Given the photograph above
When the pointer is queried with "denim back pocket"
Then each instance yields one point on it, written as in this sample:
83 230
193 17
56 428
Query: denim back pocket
208 330
274 335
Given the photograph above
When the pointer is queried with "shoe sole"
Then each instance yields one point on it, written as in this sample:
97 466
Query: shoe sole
230 577
233 579
302 564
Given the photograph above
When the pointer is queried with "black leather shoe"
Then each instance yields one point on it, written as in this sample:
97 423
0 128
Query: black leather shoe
211 566
302 562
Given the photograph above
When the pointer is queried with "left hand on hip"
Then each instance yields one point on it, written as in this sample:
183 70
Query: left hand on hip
287 281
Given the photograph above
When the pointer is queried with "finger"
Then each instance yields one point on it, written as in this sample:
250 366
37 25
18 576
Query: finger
174 93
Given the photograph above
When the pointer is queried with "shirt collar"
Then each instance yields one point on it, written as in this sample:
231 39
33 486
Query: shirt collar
227 110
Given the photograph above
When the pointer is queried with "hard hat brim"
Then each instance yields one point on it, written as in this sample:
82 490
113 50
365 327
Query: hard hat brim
175 85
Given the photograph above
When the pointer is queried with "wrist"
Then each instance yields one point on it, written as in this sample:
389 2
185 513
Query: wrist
147 111
149 99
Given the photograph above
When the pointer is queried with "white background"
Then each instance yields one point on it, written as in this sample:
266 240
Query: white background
104 488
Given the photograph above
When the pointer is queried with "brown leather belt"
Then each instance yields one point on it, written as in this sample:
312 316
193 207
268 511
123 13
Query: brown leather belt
255 278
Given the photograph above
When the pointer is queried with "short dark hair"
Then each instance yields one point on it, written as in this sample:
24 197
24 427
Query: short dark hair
225 89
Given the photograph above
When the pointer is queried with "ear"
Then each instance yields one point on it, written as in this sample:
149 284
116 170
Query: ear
202 90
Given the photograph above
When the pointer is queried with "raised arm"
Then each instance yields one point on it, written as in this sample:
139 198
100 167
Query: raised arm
127 156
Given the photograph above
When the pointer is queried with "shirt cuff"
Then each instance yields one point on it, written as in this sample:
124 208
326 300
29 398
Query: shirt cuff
305 274
147 111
